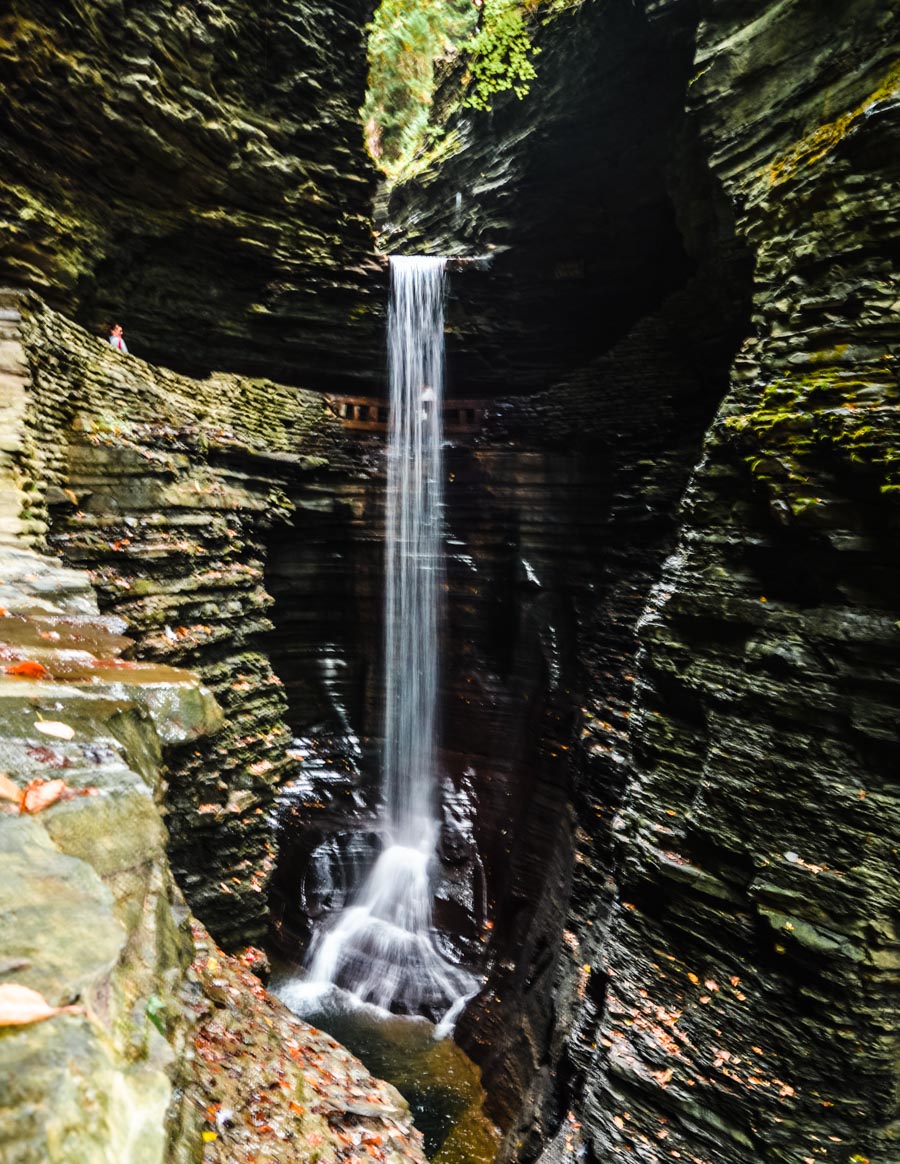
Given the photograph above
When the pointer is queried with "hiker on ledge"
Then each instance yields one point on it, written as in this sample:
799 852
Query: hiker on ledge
115 338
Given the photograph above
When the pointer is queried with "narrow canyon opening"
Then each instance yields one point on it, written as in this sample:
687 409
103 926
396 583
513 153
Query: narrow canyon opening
591 355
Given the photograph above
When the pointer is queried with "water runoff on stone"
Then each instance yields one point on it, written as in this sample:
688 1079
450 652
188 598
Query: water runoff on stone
381 948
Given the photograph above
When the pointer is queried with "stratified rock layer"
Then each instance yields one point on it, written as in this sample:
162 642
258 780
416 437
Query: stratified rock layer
164 1049
726 987
197 172
90 917
166 489
751 964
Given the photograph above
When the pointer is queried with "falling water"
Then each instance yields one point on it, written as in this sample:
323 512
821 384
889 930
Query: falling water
413 557
381 947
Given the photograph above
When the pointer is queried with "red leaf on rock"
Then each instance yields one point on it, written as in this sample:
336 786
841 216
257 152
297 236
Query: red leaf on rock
44 755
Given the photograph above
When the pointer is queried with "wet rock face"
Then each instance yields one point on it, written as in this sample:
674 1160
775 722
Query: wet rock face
572 506
196 171
166 489
723 982
750 959
506 710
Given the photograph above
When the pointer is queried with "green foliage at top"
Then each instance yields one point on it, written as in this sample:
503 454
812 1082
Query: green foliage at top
406 39
409 40
500 54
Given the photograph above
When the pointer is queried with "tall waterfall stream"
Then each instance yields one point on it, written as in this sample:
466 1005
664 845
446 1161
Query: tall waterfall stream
379 955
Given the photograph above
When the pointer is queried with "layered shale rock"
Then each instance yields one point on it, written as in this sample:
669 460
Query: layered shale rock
196 170
623 231
90 917
752 959
164 1048
727 974
166 489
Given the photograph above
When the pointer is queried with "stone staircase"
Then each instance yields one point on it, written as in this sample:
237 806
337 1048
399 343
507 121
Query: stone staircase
13 402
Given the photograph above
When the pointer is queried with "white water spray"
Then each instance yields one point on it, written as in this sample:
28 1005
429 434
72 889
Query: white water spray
381 948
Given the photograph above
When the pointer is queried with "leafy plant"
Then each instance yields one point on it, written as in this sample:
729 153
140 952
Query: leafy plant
406 40
155 1011
412 43
501 54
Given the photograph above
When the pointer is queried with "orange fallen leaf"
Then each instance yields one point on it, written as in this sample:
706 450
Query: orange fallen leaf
9 790
19 1006
40 794
27 669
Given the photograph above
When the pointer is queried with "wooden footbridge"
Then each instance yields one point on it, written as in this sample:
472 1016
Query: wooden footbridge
370 414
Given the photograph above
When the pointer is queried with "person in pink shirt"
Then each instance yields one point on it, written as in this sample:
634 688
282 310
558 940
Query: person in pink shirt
115 338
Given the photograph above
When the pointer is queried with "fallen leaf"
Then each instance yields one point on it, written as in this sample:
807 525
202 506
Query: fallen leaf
27 669
20 1006
53 727
40 794
9 790
44 755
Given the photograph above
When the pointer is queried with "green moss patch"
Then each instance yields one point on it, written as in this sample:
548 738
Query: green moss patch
813 428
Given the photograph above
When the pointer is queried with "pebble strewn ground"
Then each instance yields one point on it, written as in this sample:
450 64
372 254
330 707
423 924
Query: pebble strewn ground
276 1090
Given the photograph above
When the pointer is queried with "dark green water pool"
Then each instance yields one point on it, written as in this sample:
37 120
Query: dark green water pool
439 1082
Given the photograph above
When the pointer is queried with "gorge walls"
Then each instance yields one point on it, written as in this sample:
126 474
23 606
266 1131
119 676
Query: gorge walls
195 171
756 909
165 488
669 707
724 982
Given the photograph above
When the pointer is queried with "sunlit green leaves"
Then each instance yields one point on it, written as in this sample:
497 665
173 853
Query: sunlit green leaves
412 43
500 54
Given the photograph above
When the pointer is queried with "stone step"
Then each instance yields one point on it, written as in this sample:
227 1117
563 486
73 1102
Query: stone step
12 358
10 298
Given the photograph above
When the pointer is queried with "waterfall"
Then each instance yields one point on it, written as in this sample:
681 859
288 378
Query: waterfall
381 947
413 550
